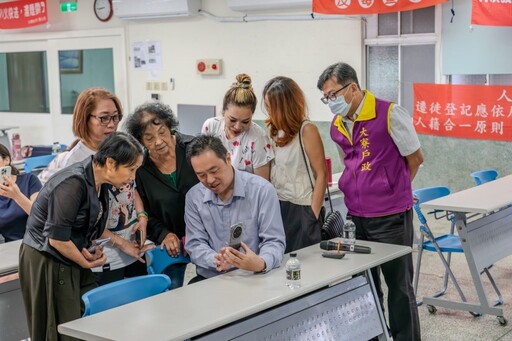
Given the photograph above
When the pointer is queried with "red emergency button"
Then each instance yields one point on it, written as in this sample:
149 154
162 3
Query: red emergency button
201 66
214 66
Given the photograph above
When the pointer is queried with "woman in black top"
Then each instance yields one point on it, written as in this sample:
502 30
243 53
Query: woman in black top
164 178
66 217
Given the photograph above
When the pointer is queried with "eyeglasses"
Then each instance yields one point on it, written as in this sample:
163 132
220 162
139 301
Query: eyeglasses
104 120
332 97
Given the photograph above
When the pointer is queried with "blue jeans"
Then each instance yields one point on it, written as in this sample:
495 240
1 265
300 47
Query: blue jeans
176 273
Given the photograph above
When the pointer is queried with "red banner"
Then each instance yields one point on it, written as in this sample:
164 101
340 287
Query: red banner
370 6
492 12
22 13
481 112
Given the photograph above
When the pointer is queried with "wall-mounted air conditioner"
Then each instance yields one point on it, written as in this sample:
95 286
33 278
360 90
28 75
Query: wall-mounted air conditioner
255 5
148 9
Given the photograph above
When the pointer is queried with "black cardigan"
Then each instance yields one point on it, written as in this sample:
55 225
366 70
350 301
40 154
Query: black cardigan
165 203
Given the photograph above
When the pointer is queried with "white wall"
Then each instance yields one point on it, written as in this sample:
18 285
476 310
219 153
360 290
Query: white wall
298 49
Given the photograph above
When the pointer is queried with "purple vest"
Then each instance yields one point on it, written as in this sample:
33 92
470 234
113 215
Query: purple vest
376 180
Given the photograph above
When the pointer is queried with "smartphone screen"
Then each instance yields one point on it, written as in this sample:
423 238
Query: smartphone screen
5 172
98 242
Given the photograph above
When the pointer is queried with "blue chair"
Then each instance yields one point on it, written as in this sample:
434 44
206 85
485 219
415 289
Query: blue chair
483 176
158 260
446 243
122 292
37 162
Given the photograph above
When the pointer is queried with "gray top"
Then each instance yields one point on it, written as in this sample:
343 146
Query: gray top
195 309
208 220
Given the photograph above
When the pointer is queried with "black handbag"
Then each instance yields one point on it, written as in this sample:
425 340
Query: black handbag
333 222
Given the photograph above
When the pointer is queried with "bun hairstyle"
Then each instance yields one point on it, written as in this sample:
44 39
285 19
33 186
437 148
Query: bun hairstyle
240 93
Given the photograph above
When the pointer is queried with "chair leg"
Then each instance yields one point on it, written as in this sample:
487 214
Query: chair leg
445 277
450 273
493 283
417 271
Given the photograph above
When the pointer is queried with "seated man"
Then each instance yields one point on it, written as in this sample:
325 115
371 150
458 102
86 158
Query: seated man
225 198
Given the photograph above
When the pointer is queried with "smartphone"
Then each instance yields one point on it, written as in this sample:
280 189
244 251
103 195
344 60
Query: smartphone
235 235
138 237
96 243
5 172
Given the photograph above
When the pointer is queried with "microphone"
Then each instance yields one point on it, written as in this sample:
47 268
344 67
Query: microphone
330 245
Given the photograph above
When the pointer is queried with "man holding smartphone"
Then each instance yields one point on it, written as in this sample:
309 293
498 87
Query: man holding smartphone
230 207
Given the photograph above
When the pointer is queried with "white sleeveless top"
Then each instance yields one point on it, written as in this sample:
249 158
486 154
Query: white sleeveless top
289 175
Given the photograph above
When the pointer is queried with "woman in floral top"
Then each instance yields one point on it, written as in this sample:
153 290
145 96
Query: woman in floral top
246 141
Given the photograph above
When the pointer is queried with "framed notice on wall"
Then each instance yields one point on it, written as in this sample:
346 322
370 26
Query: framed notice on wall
71 61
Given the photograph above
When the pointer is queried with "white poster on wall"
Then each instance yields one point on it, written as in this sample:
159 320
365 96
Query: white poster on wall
146 55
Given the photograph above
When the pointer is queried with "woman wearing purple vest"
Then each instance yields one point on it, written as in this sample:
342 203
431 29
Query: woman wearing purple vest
382 154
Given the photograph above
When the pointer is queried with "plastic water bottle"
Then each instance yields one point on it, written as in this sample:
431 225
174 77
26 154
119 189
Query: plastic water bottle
349 231
56 148
16 147
293 271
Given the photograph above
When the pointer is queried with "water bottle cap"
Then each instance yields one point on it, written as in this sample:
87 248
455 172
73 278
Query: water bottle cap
293 254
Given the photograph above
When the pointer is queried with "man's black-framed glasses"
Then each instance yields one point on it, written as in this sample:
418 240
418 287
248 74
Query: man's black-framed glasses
104 120
332 97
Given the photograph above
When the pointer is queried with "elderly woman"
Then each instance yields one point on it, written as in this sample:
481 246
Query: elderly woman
68 214
17 193
164 178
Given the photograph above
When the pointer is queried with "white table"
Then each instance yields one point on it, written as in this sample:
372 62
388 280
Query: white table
216 302
13 322
485 240
9 257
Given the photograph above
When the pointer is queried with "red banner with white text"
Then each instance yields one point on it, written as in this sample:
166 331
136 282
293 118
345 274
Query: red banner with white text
369 6
492 12
23 13
467 111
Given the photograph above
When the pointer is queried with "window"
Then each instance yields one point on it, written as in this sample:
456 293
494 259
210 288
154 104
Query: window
499 79
24 82
401 50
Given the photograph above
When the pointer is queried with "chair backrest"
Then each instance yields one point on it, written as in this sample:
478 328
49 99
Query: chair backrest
483 176
157 260
122 292
42 161
427 194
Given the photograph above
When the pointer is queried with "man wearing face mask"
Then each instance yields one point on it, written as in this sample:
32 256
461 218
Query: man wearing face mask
381 153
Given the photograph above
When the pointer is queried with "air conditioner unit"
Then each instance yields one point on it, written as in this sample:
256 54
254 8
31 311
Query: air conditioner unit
255 5
148 9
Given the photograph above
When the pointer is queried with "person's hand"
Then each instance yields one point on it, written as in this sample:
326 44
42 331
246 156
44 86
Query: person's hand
316 211
246 261
132 248
172 244
97 258
10 189
141 226
220 262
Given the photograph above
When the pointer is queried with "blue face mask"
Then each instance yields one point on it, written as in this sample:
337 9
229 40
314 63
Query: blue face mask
340 106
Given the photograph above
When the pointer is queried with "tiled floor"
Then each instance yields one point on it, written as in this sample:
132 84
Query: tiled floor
451 325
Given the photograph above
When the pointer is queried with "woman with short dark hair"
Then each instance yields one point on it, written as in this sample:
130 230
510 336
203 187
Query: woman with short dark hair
69 213
17 193
164 178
